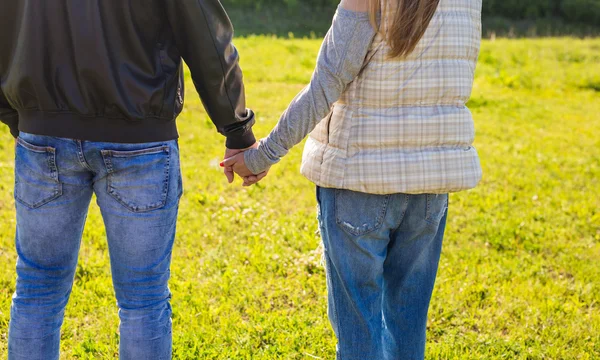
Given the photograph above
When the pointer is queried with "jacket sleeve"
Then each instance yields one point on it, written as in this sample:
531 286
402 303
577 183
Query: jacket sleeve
203 34
8 115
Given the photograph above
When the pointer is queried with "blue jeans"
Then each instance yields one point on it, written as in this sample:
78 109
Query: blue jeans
137 187
382 254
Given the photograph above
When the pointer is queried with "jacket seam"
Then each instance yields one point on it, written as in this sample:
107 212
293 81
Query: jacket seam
159 46
96 116
165 80
9 113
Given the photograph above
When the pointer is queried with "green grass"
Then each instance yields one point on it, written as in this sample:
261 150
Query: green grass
519 273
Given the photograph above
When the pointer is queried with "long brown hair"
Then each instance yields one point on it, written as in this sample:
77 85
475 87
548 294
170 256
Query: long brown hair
407 23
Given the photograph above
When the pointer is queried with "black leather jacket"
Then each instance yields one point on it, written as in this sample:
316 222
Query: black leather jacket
111 70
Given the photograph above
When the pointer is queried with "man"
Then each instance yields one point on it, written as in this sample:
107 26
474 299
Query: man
91 89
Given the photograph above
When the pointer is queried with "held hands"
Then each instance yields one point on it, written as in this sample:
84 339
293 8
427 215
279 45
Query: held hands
234 163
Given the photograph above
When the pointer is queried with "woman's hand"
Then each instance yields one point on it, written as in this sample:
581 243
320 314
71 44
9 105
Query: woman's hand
230 153
237 164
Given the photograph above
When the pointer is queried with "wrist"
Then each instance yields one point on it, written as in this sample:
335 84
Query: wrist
257 161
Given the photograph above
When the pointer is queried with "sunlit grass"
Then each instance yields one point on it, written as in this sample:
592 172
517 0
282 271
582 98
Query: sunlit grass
519 273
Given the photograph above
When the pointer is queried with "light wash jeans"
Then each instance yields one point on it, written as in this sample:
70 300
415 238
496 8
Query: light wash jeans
138 187
382 254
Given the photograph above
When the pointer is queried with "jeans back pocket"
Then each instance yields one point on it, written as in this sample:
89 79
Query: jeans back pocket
138 179
437 205
360 213
36 174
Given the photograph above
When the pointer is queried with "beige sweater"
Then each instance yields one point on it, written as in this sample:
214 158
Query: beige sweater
396 125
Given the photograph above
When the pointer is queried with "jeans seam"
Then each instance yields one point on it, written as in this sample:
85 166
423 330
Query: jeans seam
405 209
81 156
53 333
333 299
427 206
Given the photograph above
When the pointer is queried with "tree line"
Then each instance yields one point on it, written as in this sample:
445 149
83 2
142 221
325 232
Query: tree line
573 11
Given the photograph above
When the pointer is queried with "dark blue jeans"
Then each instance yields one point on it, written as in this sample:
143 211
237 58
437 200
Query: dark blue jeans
382 254
137 187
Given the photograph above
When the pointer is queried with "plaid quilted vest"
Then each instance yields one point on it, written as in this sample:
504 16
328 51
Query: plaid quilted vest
402 125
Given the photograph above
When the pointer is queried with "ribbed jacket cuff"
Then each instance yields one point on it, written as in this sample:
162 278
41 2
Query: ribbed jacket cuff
243 141
242 137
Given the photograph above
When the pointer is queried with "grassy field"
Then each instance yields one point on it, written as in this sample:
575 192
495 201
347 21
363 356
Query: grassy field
519 273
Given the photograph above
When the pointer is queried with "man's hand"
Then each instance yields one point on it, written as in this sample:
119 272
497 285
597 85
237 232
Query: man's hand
229 153
237 164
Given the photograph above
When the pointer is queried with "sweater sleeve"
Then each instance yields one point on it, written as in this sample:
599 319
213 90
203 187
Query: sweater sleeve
340 60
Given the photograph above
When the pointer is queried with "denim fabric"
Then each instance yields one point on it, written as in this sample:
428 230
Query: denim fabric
137 187
381 254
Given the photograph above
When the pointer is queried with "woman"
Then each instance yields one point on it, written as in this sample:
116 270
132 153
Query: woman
391 84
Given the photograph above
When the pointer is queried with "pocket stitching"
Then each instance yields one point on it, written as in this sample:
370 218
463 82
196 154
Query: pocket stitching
35 148
428 214
132 153
51 162
106 154
378 221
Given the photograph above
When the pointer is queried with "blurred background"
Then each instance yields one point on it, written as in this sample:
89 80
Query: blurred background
510 18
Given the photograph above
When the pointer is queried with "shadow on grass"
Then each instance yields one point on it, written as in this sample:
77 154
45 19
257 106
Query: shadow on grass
594 85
